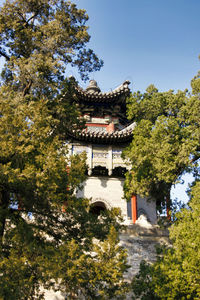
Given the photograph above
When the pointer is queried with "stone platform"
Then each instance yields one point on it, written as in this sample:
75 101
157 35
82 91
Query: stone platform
141 242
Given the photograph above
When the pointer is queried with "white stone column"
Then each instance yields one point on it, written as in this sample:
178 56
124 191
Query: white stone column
110 162
89 160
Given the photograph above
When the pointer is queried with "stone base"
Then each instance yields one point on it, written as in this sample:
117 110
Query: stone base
141 243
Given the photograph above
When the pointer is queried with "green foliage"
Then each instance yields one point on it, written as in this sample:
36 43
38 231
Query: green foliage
165 141
39 39
175 275
42 244
165 145
180 265
96 274
142 284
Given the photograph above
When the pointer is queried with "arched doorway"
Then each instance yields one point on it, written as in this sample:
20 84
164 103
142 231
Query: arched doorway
97 207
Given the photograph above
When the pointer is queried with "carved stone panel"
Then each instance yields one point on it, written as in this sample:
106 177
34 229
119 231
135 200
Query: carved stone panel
100 157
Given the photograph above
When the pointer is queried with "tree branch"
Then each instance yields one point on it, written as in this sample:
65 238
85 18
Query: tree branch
2 53
27 88
32 17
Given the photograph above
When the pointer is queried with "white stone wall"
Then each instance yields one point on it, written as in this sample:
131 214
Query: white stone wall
140 243
110 191
148 208
107 190
51 295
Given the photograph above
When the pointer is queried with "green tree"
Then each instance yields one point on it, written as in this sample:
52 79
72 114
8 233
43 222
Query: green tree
96 276
142 284
165 146
175 275
38 40
165 141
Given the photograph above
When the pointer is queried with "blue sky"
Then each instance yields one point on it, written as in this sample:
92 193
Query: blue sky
145 41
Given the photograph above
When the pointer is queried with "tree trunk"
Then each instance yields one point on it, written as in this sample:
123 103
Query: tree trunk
168 206
4 202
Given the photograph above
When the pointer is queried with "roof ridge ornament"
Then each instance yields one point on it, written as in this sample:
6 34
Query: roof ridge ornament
93 87
126 82
93 93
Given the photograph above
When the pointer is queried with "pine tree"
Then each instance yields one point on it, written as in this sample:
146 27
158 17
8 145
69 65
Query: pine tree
165 142
42 244
175 275
165 146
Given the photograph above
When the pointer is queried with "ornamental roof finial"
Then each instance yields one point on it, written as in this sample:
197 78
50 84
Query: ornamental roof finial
93 87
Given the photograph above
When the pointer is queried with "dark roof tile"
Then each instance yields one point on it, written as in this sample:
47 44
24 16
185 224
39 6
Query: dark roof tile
84 95
120 136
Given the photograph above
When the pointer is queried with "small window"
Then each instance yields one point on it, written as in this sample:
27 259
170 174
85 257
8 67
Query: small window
119 172
100 171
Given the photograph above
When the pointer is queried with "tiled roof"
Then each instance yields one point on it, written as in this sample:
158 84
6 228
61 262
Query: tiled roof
120 136
97 96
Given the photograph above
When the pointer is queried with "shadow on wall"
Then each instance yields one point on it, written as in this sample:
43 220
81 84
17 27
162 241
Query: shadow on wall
129 213
103 183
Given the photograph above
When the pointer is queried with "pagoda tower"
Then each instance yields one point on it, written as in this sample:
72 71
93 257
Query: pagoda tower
106 134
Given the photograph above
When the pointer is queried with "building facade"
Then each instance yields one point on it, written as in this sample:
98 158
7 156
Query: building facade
105 136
